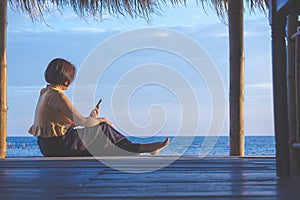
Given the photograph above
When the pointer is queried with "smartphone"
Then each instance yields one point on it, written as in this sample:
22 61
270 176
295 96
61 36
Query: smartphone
97 105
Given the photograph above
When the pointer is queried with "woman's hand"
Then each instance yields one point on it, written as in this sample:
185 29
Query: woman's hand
94 113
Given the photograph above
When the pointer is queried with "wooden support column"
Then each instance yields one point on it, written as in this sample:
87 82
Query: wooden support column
296 39
236 93
291 91
278 22
3 78
291 77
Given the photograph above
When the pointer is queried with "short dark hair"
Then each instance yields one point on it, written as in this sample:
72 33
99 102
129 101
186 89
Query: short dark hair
60 71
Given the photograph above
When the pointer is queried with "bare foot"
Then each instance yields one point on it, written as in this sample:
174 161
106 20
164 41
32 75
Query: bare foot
160 147
153 148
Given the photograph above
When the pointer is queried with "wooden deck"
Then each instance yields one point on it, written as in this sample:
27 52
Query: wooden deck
188 177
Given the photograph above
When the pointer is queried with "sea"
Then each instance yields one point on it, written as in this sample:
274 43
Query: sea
200 145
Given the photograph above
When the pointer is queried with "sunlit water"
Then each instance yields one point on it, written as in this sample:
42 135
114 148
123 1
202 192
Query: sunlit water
254 145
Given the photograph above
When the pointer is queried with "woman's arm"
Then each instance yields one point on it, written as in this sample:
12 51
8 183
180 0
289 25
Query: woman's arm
63 105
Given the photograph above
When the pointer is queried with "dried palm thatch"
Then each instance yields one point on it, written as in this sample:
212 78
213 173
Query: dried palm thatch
221 6
95 8
135 8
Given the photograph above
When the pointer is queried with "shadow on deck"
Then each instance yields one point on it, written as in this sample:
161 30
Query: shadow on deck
141 177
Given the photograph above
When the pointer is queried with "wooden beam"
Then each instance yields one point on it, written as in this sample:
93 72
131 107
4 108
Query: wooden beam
236 43
278 22
3 78
288 6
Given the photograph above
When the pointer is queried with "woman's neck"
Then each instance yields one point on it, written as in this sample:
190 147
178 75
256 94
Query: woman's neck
58 87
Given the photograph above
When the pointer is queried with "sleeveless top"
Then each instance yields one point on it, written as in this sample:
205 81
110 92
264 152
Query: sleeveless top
48 120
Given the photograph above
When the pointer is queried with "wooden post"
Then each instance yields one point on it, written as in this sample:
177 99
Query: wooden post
297 69
236 93
291 91
291 78
278 22
3 78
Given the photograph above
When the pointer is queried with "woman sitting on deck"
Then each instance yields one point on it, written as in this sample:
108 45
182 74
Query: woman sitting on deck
55 119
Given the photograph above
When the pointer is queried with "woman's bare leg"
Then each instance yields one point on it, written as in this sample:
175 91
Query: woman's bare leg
153 148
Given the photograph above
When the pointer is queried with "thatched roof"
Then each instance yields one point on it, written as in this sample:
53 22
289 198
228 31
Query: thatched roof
95 8
221 6
135 8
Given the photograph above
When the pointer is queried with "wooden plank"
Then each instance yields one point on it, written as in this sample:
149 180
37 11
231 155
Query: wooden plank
152 163
49 162
188 178
168 193
199 185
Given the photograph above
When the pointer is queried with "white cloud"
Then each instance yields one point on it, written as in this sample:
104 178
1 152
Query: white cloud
197 16
31 31
28 87
24 89
257 27
262 85
87 30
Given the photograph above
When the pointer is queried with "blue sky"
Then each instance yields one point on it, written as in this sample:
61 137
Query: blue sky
32 45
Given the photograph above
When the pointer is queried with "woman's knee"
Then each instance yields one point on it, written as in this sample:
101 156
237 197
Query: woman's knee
106 121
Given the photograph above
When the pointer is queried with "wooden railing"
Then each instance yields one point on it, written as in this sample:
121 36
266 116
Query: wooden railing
296 35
